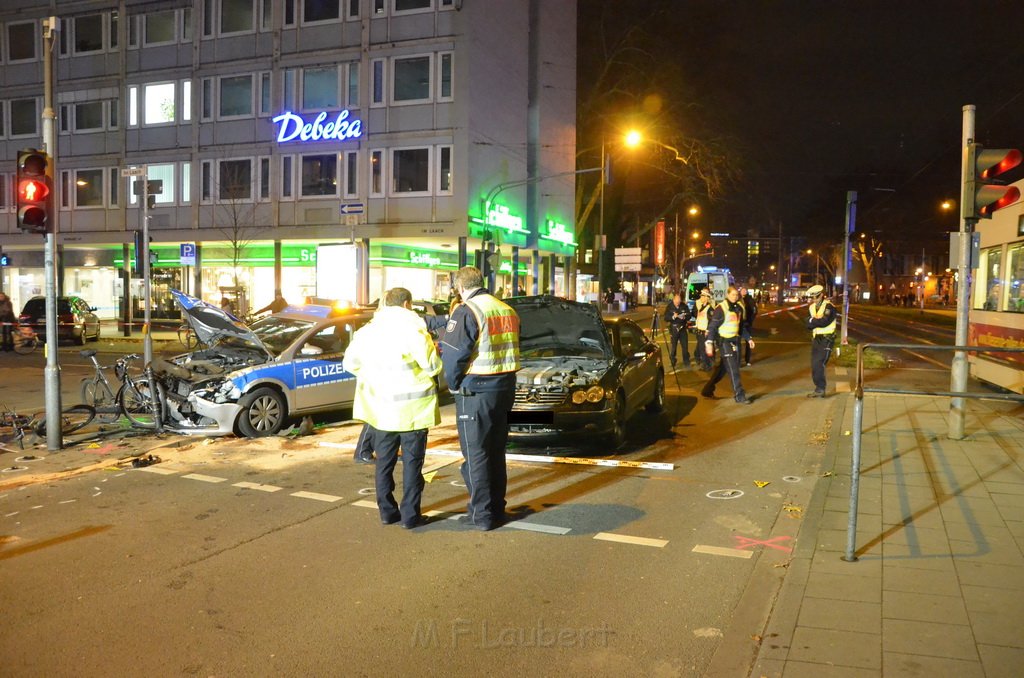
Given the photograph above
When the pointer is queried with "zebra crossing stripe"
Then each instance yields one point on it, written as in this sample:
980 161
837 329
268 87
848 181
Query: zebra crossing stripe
316 496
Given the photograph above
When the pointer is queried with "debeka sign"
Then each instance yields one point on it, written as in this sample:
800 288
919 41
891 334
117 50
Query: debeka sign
294 127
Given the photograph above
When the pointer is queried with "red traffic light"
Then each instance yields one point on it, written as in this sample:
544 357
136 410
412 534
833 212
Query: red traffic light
983 192
995 161
33 190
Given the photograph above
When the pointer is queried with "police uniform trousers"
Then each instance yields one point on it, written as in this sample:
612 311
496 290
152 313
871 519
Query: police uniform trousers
702 358
821 351
729 361
7 328
678 335
364 445
482 420
414 448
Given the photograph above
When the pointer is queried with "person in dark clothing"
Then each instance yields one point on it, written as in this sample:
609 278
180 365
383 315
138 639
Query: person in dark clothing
727 329
7 322
822 324
749 313
276 305
677 315
480 354
703 308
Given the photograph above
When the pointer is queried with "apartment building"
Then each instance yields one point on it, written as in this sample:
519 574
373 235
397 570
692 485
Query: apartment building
329 148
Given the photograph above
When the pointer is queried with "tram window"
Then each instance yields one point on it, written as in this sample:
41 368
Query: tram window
990 288
1015 278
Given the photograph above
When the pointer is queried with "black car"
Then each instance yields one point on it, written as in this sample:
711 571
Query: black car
76 319
582 376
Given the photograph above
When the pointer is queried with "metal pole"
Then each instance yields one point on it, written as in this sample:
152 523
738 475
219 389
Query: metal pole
147 337
51 373
851 521
959 371
851 226
600 228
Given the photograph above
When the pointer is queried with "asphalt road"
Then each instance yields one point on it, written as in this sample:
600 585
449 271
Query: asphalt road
239 558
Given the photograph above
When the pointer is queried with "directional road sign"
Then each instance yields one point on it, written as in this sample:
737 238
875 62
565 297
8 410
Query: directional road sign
352 208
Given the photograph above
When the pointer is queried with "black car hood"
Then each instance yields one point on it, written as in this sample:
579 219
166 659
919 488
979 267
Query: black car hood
216 327
552 326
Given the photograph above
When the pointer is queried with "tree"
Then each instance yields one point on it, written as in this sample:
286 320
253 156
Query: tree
868 250
236 212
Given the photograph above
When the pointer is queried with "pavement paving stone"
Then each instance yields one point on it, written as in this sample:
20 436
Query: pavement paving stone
900 665
840 520
921 537
908 557
835 541
844 615
987 553
843 587
1004 489
811 670
997 628
836 647
911 579
830 562
993 600
964 510
1001 662
1010 577
935 639
923 607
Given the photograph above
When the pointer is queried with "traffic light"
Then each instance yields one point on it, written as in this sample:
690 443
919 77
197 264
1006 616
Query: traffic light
983 193
35 191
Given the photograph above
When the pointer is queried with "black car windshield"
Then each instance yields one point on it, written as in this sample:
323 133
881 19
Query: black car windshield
550 331
278 333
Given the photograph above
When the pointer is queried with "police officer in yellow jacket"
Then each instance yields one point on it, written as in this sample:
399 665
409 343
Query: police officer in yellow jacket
480 352
822 324
727 328
395 361
702 316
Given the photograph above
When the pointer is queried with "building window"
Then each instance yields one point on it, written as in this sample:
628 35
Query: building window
133 105
65 192
186 24
186 100
205 181
289 13
411 78
444 77
163 173
265 94
114 182
88 116
264 178
378 82
353 84
286 177
112 108
410 170
444 169
89 188
320 10
207 102
235 180
113 30
378 7
447 3
186 183
158 102
351 174
353 9
159 28
319 175
63 120
236 16
88 33
376 173
411 5
21 41
236 96
208 18
24 117
319 88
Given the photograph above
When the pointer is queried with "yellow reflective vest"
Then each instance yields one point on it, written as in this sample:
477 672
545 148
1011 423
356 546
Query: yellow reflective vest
497 348
730 327
394 360
818 311
703 315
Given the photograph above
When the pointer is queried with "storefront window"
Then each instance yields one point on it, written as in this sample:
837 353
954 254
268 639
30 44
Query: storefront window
1015 278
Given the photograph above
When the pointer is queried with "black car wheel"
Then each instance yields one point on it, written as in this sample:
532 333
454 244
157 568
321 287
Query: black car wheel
657 403
263 413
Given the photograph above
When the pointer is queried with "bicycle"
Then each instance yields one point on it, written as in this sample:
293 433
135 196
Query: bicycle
71 419
187 336
134 395
25 339
18 423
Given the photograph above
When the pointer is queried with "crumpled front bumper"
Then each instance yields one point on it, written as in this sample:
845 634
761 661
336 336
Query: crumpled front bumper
221 416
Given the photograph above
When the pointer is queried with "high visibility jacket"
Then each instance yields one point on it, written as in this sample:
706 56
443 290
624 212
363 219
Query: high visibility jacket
497 349
703 315
394 360
730 326
818 311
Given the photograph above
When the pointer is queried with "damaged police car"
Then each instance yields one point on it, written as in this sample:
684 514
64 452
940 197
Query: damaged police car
252 380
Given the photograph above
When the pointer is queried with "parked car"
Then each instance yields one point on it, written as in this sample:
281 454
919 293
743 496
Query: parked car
583 376
253 380
76 319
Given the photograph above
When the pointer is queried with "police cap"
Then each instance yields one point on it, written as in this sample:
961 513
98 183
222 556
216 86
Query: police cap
815 291
704 292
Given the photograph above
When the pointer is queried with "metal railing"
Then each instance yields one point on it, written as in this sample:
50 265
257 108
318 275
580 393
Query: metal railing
858 417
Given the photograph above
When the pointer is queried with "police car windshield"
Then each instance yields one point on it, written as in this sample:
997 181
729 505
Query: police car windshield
278 333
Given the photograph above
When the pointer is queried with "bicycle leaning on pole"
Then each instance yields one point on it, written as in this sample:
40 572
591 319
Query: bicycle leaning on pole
140 398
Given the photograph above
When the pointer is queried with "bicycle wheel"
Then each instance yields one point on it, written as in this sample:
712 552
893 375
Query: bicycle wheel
25 344
187 337
96 393
136 401
71 419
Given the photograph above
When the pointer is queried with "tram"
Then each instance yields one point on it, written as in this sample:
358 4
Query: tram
996 315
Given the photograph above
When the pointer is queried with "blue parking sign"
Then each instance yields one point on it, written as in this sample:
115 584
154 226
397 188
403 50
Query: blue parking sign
187 254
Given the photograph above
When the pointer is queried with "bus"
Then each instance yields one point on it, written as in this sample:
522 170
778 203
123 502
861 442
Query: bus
996 316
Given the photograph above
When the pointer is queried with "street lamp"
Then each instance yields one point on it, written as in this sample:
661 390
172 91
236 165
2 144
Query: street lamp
634 138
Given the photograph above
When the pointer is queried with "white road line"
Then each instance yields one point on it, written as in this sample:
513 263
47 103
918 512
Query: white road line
206 479
842 387
365 503
258 486
545 459
159 470
537 527
626 539
316 495
720 551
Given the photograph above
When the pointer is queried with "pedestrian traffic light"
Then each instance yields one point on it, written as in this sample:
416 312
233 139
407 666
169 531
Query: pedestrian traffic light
983 193
35 191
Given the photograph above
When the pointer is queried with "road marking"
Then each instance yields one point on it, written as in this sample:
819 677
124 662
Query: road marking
773 543
842 387
316 495
258 486
538 527
720 551
840 371
626 539
206 479
545 459
365 503
159 470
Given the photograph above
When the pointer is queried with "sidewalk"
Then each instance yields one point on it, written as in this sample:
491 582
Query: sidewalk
938 587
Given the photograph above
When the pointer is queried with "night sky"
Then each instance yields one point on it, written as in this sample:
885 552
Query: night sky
817 98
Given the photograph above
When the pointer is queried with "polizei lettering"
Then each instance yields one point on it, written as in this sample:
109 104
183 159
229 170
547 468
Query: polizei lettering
322 371
293 126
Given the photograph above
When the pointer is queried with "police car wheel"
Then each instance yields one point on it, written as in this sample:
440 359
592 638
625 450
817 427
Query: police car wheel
263 413
657 403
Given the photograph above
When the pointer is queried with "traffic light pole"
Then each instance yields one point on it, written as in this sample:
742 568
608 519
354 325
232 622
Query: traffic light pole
147 337
851 226
51 373
959 371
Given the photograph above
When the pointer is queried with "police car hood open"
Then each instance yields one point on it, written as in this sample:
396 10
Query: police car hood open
553 326
216 327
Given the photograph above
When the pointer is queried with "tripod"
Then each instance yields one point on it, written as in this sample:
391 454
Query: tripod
657 331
